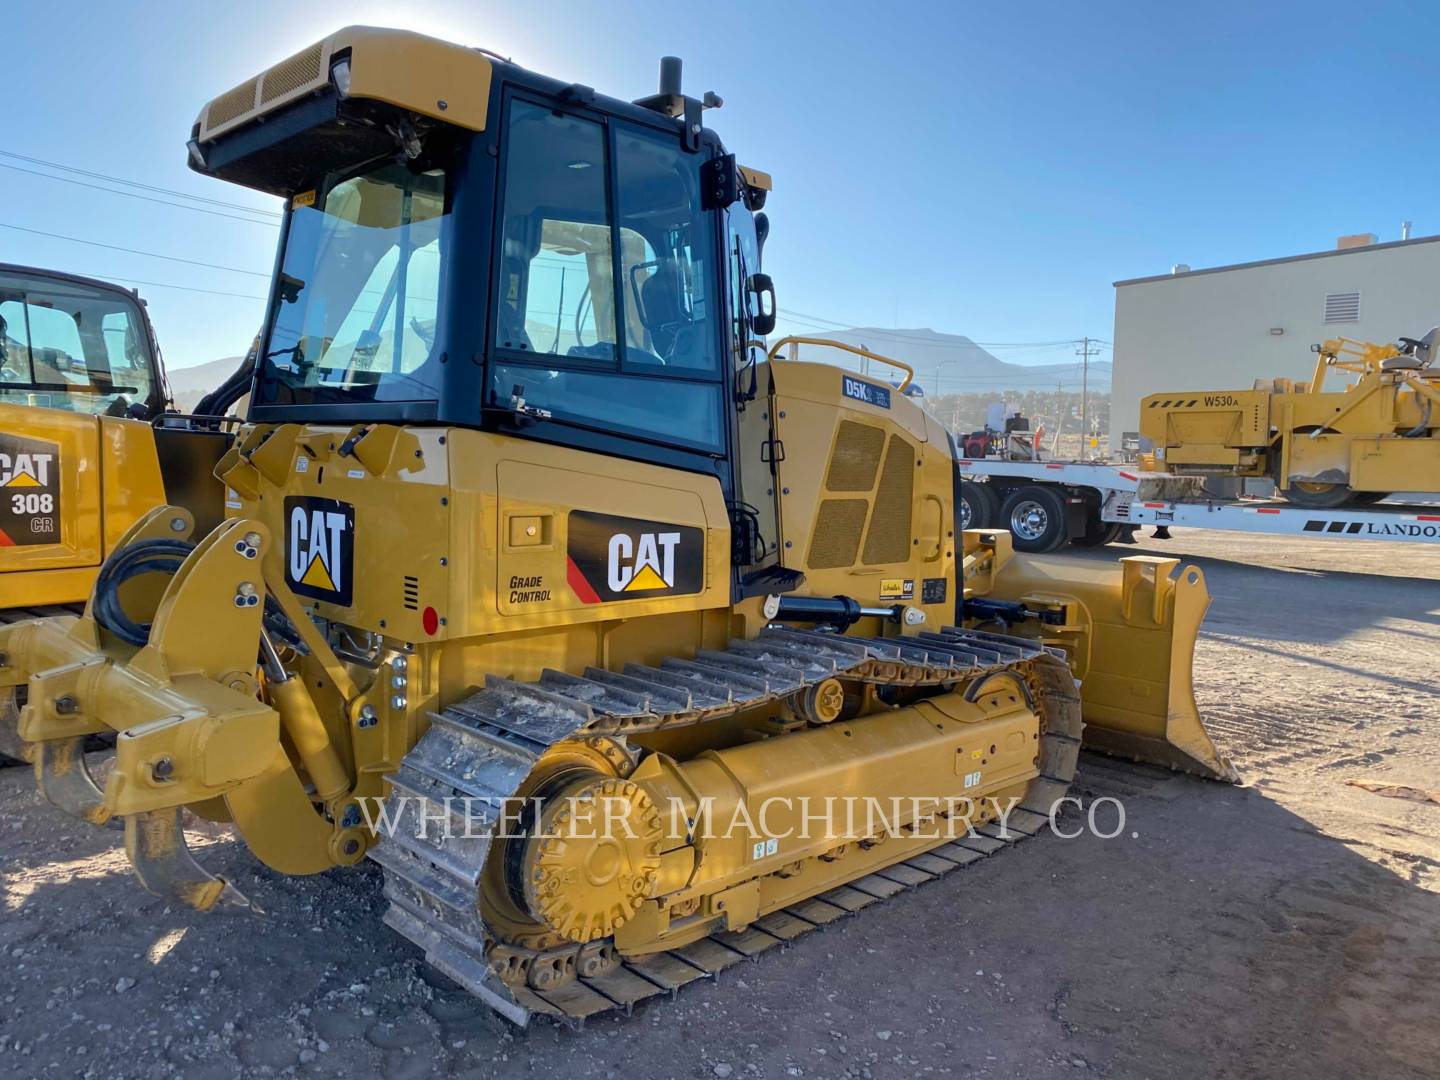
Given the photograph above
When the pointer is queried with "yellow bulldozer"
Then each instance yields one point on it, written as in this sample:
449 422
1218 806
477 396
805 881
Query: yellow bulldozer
1377 435
88 442
547 586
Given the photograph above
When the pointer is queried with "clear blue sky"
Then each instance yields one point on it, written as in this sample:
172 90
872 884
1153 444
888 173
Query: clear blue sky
985 169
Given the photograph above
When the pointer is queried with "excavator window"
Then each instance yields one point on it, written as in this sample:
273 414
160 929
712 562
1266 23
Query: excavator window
604 307
65 344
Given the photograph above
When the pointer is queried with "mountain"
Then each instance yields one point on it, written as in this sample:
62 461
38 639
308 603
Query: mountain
190 384
960 364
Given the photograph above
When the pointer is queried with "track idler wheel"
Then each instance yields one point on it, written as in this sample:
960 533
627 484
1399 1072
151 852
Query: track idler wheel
163 863
594 857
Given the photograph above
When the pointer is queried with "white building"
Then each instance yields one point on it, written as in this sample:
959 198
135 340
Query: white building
1222 328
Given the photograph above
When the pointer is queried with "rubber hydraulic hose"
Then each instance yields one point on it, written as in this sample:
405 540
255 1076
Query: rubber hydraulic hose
142 557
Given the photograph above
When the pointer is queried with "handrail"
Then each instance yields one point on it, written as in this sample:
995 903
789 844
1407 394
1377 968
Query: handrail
856 349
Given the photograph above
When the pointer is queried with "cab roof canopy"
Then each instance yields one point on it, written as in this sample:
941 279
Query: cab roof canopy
358 94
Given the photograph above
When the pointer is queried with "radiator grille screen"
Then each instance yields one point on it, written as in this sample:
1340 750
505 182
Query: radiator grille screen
888 540
856 458
838 528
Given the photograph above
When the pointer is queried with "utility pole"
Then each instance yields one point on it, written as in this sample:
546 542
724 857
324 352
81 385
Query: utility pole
1059 418
1084 353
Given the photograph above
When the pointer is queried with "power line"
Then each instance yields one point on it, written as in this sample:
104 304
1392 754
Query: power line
133 251
143 198
137 184
168 285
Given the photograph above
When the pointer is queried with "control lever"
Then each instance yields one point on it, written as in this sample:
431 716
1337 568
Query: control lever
518 406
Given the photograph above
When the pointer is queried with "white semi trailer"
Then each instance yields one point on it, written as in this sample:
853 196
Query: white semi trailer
1047 504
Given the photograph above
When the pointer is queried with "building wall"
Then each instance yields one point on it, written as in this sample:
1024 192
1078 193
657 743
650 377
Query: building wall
1213 330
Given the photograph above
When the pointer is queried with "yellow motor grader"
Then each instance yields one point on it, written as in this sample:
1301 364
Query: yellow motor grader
86 442
551 589
1323 448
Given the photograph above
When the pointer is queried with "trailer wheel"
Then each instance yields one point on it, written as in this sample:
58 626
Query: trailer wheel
979 506
1035 516
1317 496
1098 533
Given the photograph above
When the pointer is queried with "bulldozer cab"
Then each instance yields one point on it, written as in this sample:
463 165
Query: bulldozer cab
75 344
545 262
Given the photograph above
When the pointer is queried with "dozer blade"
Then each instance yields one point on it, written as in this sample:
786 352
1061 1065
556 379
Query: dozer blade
163 863
1131 640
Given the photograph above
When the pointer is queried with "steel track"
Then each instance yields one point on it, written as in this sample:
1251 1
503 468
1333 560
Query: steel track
478 752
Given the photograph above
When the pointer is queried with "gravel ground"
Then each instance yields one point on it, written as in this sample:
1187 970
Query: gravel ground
1287 927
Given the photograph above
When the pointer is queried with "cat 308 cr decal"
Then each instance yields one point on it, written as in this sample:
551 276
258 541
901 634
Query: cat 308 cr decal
29 491
619 558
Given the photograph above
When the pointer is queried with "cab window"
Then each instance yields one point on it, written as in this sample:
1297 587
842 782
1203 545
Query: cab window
605 305
557 293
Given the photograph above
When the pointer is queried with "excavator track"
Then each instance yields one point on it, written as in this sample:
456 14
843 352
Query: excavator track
478 752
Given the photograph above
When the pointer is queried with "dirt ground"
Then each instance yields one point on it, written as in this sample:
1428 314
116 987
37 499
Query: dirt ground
1287 927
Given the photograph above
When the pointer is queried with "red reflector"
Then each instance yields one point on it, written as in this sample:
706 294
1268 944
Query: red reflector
1262 510
1127 476
1427 517
430 620
1054 466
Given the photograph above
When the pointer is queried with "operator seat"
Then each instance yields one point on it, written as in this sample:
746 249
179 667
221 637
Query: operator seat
1417 354
661 311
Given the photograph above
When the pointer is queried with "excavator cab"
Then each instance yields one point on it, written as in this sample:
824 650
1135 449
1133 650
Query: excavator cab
76 344
527 525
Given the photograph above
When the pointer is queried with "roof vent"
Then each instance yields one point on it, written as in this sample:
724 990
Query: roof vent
1355 240
1180 268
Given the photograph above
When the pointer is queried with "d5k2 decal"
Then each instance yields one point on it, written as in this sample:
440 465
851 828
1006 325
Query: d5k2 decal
320 548
29 491
620 558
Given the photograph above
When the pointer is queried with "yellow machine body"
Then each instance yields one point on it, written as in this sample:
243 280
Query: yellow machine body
96 475
493 624
1377 435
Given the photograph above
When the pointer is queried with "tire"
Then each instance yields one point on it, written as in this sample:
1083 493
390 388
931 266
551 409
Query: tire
979 506
1369 498
1035 516
1098 533
1317 496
